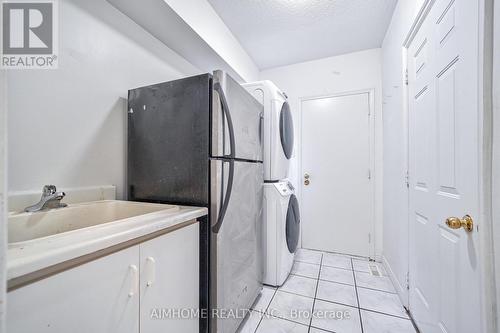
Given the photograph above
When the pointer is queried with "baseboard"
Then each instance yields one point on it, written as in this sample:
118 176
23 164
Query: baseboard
400 289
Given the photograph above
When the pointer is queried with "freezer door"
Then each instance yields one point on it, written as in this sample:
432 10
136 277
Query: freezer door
168 141
236 249
237 120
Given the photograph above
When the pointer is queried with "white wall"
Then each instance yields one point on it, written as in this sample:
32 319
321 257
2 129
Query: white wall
68 126
395 193
349 72
211 47
203 19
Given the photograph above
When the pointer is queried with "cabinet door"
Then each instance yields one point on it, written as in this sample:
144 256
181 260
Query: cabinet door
170 282
99 296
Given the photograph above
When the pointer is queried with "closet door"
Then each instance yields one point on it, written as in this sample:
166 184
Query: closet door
444 163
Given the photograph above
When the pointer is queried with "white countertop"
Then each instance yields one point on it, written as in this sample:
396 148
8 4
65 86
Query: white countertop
33 255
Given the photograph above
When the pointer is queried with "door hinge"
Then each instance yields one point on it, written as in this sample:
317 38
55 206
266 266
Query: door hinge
369 174
407 179
407 280
406 76
369 238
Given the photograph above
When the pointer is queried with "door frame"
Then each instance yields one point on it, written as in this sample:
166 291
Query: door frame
3 196
405 294
484 146
371 138
494 64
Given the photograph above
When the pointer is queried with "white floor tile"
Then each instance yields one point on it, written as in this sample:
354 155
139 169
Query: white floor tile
305 269
276 325
265 298
379 323
336 318
251 322
337 292
309 256
366 280
300 285
364 266
338 261
316 330
361 265
381 301
292 307
336 275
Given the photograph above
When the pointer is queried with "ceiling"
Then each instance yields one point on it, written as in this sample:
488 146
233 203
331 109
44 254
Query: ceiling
283 32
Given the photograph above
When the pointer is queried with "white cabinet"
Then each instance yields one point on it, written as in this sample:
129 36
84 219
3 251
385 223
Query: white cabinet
117 292
170 282
100 297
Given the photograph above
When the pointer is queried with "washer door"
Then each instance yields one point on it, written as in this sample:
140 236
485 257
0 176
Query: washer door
286 130
292 224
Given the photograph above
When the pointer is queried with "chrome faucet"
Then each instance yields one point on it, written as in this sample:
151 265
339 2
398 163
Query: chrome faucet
50 199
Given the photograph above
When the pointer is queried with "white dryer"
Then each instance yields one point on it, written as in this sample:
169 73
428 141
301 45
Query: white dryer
281 231
278 128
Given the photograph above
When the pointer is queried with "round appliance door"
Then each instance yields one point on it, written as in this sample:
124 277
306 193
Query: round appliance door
292 224
286 130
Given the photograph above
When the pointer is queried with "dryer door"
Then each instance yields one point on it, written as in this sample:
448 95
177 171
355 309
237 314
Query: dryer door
292 224
286 130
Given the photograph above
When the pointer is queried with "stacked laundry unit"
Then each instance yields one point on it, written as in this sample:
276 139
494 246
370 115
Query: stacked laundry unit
281 227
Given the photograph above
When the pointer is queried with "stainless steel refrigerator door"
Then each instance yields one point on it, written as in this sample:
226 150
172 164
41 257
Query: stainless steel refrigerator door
244 115
236 250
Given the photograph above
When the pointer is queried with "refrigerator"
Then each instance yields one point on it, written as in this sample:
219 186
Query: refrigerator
198 141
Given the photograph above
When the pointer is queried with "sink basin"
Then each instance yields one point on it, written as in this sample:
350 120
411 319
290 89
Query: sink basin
24 227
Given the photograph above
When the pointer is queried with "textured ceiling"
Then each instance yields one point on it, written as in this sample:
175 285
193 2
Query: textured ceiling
282 32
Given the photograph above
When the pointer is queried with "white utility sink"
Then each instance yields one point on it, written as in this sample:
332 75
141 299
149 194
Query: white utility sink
24 227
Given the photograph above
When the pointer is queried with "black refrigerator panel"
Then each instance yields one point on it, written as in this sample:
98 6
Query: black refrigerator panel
169 141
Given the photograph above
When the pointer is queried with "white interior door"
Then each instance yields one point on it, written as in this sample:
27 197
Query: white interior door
444 168
337 197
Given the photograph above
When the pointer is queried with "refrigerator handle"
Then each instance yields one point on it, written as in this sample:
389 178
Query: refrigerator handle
227 115
223 208
261 126
232 154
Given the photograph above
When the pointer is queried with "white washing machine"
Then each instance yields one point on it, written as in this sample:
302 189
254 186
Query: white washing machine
278 129
281 231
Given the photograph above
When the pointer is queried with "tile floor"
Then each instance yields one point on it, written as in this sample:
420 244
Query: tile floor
330 293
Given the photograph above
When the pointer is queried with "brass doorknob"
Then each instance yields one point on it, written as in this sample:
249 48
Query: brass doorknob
306 182
456 223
